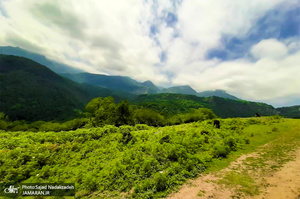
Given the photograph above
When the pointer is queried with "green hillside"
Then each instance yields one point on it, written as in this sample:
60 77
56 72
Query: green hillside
217 93
291 112
152 89
120 83
170 104
187 90
30 91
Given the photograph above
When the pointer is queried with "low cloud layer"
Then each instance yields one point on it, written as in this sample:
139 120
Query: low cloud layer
249 48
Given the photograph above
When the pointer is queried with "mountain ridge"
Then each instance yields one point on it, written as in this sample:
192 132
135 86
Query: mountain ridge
120 83
31 91
184 89
146 87
41 59
133 86
217 93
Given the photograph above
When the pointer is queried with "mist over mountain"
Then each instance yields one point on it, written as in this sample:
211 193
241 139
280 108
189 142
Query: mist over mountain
186 89
152 87
120 83
41 59
217 93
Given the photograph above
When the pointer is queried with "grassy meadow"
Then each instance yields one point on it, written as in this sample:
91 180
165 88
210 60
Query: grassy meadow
141 161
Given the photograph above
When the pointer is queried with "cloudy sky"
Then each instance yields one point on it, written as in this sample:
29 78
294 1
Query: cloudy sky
250 48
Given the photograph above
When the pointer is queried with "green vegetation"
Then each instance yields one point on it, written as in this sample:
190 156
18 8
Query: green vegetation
129 161
201 193
104 111
171 104
242 181
290 112
32 92
283 137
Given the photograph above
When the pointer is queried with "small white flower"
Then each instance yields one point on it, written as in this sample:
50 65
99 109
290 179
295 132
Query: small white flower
37 174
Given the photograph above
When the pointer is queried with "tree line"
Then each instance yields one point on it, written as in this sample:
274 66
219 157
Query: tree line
104 111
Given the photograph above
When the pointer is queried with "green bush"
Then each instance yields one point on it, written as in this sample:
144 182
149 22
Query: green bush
195 115
149 117
106 161
3 125
231 142
220 150
139 127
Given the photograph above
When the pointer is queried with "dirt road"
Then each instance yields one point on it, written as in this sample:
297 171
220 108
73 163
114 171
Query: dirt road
285 183
278 184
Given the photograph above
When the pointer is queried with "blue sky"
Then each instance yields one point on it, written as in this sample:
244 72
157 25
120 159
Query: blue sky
276 23
249 48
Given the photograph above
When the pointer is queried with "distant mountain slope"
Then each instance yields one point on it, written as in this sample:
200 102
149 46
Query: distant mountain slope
41 59
119 83
152 88
291 112
217 93
170 104
180 90
31 91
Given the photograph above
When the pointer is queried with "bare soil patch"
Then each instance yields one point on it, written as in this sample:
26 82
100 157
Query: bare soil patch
281 184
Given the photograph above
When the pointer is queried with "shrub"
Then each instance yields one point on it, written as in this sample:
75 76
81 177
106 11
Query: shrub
3 125
141 127
125 131
231 142
160 181
220 150
165 139
75 124
149 117
200 114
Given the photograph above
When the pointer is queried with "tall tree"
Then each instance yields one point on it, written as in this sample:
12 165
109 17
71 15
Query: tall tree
102 111
124 114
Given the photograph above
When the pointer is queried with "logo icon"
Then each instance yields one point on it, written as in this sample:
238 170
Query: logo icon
12 190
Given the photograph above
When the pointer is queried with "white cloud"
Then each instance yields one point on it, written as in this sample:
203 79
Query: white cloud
114 37
265 79
205 22
111 36
270 48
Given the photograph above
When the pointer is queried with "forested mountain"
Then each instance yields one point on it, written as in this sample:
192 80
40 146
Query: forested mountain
152 88
41 59
291 112
187 90
30 91
170 104
217 93
120 83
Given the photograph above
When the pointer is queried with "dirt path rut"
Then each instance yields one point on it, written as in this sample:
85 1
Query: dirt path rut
281 184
